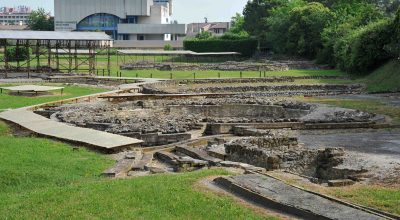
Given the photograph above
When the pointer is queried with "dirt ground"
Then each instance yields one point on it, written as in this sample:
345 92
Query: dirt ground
377 151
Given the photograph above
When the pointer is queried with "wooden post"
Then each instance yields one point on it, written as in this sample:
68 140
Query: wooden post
57 57
28 62
5 56
69 57
37 51
76 56
17 54
49 54
108 58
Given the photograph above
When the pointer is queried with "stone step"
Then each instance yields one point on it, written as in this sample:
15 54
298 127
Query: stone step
180 161
147 158
120 169
167 157
244 166
198 154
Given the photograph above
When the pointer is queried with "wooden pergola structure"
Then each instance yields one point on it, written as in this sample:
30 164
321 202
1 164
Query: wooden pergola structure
53 51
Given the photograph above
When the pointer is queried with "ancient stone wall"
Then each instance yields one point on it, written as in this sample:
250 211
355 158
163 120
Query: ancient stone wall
157 139
226 66
352 88
159 87
238 110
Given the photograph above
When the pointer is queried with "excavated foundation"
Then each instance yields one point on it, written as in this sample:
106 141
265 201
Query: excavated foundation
160 122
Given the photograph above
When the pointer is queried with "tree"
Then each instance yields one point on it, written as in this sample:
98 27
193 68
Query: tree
394 47
347 17
203 35
255 15
306 24
279 24
237 26
40 20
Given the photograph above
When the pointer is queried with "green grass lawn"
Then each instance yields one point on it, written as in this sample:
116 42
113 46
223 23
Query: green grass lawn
385 78
10 101
43 179
225 74
383 198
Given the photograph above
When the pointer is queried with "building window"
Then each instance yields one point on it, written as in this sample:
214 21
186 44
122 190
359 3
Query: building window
99 22
140 37
131 19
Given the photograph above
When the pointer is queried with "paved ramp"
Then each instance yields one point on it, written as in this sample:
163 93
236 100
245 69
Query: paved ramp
277 195
40 125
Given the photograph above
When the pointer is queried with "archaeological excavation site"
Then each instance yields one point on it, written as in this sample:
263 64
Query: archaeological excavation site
267 109
264 130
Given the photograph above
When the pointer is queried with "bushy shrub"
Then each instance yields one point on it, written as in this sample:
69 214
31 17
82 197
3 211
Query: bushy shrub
14 55
168 47
347 16
363 50
247 47
203 35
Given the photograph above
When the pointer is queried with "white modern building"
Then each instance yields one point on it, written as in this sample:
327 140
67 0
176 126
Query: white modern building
14 15
127 21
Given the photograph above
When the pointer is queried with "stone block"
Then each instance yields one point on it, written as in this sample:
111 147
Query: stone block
340 183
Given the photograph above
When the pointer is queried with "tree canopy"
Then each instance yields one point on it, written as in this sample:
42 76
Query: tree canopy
355 35
40 20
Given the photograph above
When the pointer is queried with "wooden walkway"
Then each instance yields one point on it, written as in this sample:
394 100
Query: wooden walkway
45 127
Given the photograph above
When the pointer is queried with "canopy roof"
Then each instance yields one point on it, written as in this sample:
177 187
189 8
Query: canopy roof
32 88
54 35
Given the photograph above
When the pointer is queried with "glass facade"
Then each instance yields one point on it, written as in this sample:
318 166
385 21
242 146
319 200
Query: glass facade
100 22
105 22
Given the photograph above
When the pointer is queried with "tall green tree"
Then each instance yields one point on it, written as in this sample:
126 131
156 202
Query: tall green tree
279 24
237 25
306 24
255 15
347 17
40 20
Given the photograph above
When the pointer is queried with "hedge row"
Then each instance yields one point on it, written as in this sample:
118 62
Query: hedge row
247 47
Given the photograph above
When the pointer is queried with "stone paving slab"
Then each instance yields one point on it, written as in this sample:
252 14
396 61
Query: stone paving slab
49 128
293 200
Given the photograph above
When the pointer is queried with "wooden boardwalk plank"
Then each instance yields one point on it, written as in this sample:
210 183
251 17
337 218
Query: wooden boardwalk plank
49 128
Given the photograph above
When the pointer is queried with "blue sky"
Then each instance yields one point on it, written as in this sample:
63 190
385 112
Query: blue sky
186 11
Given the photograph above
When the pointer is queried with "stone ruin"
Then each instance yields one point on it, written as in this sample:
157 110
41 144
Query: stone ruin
266 65
160 122
278 149
226 66
263 87
248 120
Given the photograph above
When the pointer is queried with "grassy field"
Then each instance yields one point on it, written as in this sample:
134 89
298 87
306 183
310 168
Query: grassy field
115 70
10 101
385 78
382 198
225 74
371 106
44 179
